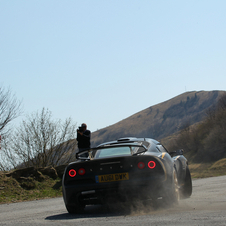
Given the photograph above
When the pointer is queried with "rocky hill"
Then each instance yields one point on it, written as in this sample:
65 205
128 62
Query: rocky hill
161 120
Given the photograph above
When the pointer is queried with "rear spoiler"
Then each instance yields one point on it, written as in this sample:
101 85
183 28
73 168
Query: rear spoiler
88 154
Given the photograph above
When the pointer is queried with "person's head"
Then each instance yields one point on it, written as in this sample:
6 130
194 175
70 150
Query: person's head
84 126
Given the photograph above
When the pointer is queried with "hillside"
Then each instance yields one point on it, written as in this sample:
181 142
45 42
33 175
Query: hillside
161 120
205 141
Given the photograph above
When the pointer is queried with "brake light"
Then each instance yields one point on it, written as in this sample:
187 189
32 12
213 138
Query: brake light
81 171
72 173
151 164
141 165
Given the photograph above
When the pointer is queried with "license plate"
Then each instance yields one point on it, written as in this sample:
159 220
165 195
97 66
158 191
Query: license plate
112 177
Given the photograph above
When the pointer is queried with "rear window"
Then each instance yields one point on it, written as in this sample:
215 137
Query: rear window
102 153
117 151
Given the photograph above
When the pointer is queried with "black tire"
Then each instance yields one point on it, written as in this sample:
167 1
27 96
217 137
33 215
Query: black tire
173 195
186 189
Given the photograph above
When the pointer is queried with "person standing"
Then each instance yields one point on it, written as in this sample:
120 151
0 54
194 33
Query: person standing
83 138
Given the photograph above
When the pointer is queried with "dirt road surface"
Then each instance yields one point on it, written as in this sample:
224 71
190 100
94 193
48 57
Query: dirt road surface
207 206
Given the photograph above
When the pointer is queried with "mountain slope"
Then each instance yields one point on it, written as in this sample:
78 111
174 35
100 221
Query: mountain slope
163 119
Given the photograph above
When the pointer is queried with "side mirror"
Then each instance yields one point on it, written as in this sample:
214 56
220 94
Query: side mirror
178 152
84 155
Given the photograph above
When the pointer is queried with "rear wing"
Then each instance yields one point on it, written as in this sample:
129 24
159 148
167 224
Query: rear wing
90 153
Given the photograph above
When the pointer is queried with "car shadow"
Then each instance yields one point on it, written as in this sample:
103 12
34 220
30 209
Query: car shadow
90 212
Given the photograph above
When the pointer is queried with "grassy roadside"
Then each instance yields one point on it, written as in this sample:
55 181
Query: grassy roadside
202 170
30 184
40 184
13 191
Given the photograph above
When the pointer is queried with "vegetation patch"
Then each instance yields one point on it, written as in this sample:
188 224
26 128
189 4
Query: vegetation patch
14 188
202 170
219 166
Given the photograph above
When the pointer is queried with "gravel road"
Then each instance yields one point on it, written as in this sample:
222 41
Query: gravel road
207 206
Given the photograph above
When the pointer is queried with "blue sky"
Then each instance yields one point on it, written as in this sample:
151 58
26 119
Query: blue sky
102 61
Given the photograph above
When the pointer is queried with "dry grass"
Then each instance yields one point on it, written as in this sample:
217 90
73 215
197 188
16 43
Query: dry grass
12 191
201 170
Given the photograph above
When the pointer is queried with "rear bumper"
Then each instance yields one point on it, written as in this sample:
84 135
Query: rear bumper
100 193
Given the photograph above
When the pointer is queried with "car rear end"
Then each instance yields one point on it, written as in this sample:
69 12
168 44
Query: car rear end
118 178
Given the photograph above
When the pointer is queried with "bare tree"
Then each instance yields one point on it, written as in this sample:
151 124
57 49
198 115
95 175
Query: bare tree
7 158
10 108
41 141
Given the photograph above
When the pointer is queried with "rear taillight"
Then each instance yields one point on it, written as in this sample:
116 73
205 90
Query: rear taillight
81 171
72 173
140 165
151 164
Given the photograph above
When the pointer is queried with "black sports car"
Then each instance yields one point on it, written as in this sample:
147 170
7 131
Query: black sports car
126 169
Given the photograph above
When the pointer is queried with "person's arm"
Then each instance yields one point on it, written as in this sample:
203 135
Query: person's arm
87 134
79 134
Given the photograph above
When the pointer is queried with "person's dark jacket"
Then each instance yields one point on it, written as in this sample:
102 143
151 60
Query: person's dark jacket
84 140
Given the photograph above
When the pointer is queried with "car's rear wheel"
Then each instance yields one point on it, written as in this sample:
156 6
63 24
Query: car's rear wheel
186 189
172 196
